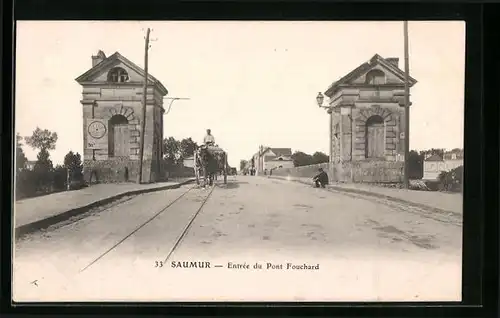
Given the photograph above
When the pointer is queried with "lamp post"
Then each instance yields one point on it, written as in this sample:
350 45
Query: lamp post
172 100
319 99
67 179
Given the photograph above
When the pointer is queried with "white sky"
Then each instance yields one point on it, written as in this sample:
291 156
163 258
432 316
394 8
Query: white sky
252 83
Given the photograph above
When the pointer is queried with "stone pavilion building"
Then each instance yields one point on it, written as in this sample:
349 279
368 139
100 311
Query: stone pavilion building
112 115
367 122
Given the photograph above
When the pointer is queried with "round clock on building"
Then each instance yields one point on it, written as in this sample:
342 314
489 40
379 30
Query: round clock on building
97 129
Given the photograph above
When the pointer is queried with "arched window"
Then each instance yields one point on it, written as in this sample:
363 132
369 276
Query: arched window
375 77
117 75
280 159
118 137
374 137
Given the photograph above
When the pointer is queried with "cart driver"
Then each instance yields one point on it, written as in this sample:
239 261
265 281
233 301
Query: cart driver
209 139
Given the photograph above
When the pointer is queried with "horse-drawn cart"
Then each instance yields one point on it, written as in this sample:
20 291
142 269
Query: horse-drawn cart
208 162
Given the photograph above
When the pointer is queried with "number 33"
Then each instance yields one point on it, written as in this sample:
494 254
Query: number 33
158 264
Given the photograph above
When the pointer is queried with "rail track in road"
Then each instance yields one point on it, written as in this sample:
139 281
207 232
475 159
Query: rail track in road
168 206
438 215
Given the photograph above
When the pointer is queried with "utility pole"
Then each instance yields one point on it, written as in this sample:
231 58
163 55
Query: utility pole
407 109
144 100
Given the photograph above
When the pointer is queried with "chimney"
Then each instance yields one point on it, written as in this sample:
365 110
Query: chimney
96 59
393 60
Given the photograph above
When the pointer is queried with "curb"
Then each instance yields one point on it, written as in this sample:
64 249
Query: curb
378 195
44 223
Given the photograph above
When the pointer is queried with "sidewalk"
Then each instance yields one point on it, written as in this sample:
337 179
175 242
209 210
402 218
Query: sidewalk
32 212
447 202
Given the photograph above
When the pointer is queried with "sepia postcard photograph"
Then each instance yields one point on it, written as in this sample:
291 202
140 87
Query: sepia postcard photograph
193 161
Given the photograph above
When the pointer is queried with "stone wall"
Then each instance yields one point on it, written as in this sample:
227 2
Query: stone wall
179 172
301 172
112 170
358 171
119 170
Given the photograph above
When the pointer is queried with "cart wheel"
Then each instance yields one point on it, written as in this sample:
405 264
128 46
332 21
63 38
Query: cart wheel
196 170
225 168
225 175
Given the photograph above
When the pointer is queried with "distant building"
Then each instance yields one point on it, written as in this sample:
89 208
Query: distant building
436 164
272 158
189 162
30 165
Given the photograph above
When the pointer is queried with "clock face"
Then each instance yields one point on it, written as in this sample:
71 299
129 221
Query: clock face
97 129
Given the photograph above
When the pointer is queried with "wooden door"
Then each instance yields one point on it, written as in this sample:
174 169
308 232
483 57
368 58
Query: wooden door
375 140
121 140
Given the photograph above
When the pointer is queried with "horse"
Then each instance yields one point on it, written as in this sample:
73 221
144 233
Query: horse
210 163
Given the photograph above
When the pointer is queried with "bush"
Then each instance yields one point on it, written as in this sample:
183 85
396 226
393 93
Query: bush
32 183
59 178
418 185
25 185
451 180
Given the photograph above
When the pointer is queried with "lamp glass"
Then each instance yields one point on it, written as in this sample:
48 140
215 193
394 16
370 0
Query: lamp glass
320 99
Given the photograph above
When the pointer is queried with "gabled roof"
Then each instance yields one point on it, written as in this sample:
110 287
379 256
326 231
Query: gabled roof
279 151
85 77
375 60
434 158
282 151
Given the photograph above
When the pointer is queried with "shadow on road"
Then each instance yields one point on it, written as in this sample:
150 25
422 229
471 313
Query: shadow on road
230 184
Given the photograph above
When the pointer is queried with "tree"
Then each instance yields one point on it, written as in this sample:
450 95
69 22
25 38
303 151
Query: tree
416 165
187 147
59 178
42 139
43 162
431 152
42 172
320 157
73 162
21 159
301 159
243 164
171 150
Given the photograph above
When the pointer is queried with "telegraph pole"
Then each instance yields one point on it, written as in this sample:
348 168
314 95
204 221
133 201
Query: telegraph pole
407 109
144 100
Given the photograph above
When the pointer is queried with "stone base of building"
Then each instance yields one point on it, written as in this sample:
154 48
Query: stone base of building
119 170
368 171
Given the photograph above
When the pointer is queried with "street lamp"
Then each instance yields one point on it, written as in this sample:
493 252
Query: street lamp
320 99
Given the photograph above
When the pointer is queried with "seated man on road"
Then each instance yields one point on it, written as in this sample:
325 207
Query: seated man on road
321 179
